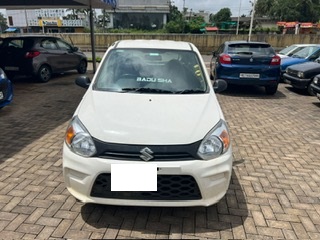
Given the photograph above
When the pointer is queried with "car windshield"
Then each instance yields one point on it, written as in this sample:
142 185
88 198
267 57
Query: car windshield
151 71
305 52
251 49
287 50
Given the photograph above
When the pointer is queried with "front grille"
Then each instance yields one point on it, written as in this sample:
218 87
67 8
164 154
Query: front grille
159 152
169 187
292 72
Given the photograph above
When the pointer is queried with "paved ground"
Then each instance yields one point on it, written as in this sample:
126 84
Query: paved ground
274 193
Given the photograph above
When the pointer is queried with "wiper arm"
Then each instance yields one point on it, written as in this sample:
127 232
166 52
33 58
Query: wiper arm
186 91
146 90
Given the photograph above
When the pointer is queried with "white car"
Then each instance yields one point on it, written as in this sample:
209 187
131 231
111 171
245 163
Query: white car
292 49
149 130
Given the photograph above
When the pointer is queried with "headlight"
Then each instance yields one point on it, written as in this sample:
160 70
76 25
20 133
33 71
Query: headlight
287 70
79 140
300 75
315 80
215 143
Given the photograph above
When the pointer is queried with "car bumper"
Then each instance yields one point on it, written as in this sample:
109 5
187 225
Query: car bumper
296 82
264 76
212 177
316 90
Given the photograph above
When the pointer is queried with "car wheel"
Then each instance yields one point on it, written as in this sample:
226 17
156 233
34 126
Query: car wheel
82 68
309 90
271 90
44 73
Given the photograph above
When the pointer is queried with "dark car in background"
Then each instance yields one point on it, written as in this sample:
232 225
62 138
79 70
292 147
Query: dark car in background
315 86
307 54
6 90
40 56
301 75
247 63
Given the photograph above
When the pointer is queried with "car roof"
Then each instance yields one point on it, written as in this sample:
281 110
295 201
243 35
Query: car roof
305 44
155 44
243 41
30 36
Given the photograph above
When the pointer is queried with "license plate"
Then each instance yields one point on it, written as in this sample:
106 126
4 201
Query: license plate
249 75
1 95
9 68
134 177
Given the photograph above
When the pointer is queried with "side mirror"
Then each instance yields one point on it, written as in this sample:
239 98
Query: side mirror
75 49
219 85
83 81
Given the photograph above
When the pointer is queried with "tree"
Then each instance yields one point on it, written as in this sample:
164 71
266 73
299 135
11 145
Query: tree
224 15
195 24
176 22
3 23
289 10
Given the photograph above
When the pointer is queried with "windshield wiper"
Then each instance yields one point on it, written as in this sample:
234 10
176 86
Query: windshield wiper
186 91
146 90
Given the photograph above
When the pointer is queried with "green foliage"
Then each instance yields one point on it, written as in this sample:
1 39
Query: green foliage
3 23
289 10
195 25
175 27
224 15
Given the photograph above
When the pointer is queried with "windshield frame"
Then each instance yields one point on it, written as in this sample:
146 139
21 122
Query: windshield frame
151 64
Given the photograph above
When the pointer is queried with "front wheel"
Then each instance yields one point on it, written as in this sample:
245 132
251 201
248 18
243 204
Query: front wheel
271 90
44 73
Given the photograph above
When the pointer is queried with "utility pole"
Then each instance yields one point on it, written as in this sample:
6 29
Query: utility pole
238 18
251 22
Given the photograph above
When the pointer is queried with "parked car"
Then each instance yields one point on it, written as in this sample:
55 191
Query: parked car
310 53
6 90
40 56
292 49
301 75
247 63
151 104
315 86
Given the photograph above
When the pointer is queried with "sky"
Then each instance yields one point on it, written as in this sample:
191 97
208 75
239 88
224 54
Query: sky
213 6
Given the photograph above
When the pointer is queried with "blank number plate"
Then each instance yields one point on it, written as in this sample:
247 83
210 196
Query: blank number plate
249 75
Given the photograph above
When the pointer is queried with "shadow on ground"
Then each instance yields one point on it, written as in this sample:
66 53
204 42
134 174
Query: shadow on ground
37 109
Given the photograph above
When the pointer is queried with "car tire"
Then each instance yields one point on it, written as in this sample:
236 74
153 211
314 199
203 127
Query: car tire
309 90
82 67
44 73
272 89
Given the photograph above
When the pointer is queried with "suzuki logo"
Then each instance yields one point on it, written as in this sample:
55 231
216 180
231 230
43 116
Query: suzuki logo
146 154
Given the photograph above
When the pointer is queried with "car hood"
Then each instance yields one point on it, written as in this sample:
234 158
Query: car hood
148 118
285 62
305 67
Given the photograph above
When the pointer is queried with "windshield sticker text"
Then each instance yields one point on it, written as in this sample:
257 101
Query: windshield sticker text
152 79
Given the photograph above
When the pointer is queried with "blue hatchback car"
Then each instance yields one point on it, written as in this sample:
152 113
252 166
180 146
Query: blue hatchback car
6 90
247 63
